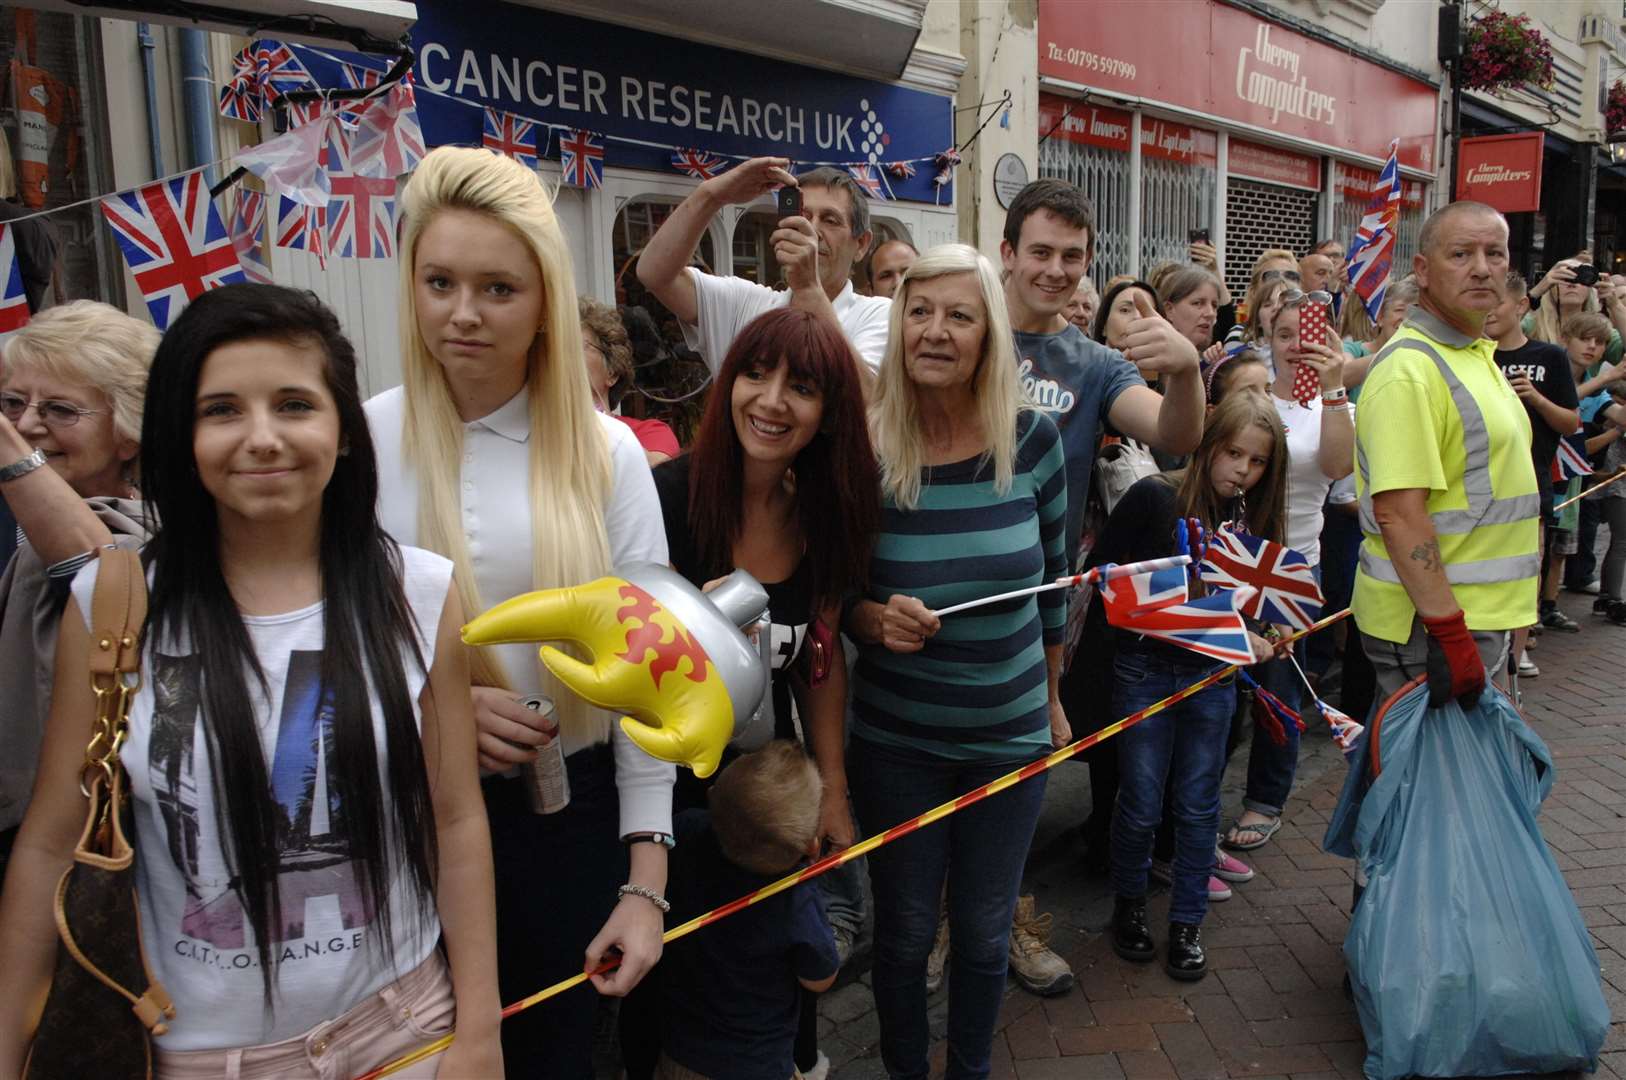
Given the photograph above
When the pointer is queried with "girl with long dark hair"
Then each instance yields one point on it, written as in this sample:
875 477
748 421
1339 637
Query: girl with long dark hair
311 846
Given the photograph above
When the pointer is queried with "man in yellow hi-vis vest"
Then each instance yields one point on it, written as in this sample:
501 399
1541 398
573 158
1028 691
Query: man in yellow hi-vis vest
1448 496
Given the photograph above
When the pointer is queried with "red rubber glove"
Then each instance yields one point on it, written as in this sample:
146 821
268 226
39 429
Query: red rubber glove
1455 669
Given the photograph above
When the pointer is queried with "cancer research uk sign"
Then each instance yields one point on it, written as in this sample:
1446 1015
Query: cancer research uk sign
632 85
1212 58
1503 171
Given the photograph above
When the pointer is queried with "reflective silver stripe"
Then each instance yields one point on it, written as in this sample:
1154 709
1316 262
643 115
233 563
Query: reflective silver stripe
1482 572
1483 507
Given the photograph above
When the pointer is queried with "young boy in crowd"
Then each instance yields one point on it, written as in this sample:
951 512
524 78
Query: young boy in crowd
731 995
1586 335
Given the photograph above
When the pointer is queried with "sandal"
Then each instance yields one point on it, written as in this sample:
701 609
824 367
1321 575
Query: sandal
1265 829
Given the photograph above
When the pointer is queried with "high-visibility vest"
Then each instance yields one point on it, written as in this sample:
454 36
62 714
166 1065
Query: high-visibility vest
1483 508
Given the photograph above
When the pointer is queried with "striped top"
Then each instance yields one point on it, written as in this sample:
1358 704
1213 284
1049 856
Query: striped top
978 690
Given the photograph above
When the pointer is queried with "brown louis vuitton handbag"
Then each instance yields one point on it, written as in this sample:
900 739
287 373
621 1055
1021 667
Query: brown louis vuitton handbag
104 1006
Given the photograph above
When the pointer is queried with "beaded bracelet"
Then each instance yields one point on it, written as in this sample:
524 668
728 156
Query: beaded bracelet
648 894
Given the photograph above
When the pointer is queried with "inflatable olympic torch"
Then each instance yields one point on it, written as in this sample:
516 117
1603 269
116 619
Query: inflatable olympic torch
670 657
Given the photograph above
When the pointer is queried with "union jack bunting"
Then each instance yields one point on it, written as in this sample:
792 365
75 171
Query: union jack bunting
280 71
361 211
700 164
1131 596
1371 252
1211 626
248 234
13 300
240 97
1571 460
1285 589
903 170
387 141
302 228
873 184
581 157
514 136
174 242
357 77
261 74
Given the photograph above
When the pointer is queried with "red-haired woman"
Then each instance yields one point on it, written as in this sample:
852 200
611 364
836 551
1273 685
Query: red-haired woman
782 483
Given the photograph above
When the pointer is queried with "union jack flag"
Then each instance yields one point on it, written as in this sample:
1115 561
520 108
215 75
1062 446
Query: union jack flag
387 141
361 211
513 136
240 97
302 228
280 71
357 77
13 300
903 170
261 73
700 164
1211 626
868 179
248 234
1283 582
581 157
174 242
1128 597
1372 251
1571 460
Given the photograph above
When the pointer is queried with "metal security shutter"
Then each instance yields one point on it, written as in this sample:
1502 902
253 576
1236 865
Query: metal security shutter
1103 175
1176 198
1259 217
1346 218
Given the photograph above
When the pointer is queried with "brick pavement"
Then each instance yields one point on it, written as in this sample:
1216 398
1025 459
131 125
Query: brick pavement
1272 1005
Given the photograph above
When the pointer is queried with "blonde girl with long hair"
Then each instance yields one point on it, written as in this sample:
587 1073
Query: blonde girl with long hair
492 454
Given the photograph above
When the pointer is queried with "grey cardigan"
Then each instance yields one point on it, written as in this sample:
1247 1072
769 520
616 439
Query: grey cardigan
32 598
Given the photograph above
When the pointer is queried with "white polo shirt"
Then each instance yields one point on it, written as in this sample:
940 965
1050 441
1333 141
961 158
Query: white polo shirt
495 493
726 304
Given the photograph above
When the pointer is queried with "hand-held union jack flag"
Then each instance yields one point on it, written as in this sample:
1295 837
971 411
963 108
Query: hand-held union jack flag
248 234
1571 461
1211 626
361 212
1371 252
175 244
1285 589
700 164
512 136
581 158
1140 593
13 299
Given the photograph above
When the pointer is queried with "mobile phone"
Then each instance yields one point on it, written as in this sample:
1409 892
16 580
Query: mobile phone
790 202
1315 319
1197 236
1586 274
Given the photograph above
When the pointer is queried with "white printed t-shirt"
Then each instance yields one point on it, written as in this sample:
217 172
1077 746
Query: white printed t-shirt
1307 485
196 933
726 304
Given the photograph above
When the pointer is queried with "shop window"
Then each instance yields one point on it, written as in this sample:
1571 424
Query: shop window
669 378
51 134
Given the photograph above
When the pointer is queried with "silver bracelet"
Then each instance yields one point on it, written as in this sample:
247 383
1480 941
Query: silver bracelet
648 894
22 468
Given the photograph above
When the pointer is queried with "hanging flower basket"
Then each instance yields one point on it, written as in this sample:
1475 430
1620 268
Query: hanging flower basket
1614 109
1505 52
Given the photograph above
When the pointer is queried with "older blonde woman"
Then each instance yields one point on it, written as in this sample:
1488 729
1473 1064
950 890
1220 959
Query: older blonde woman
72 386
492 455
974 502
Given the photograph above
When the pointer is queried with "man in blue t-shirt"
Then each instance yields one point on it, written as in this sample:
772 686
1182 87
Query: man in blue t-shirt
1048 244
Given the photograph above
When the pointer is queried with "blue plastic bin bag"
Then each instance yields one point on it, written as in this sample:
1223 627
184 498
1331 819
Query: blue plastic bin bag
1466 953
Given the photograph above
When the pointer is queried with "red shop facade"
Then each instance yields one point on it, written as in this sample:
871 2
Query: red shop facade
1224 121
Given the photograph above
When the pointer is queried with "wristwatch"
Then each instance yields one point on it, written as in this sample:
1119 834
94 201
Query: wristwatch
22 468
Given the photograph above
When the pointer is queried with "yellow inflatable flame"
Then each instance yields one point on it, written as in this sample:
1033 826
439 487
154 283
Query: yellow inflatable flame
645 664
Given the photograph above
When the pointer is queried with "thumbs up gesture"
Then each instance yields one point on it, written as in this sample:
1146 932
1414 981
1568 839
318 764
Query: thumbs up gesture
1153 344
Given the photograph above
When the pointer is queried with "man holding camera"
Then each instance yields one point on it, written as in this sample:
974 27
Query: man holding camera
823 230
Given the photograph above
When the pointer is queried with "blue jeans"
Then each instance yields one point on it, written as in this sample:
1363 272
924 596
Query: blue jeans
980 851
1182 747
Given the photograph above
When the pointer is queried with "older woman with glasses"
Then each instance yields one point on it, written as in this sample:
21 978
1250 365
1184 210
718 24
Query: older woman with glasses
71 391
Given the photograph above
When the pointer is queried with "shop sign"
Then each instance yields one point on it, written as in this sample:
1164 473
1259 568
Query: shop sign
1503 171
1273 165
1355 184
1099 125
1212 58
638 87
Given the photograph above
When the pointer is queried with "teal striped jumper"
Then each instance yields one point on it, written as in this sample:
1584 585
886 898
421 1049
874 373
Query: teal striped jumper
978 690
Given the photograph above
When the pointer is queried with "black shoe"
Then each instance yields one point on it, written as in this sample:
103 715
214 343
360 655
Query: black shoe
1557 620
1600 606
1617 612
1131 937
1185 960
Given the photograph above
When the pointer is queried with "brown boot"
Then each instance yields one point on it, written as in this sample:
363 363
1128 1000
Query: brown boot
1036 967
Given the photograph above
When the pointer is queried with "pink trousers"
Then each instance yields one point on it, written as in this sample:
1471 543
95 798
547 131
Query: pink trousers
417 1008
